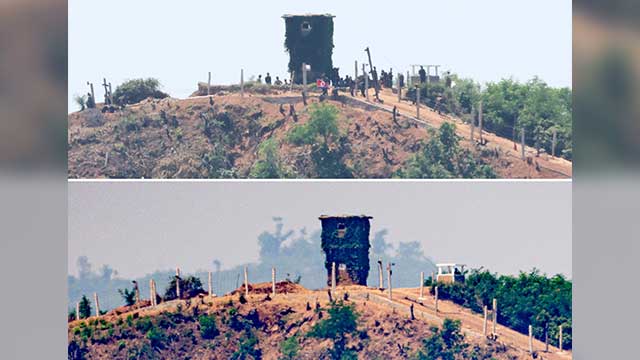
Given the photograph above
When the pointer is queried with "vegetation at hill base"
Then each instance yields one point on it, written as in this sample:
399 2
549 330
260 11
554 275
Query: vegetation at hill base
527 299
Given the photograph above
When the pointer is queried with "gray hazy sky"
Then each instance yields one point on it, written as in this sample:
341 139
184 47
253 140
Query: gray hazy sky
178 42
139 227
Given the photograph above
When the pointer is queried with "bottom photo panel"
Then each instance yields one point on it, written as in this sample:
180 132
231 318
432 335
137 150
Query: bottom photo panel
319 270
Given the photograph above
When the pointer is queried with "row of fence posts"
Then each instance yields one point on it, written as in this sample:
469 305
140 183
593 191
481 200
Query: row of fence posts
494 307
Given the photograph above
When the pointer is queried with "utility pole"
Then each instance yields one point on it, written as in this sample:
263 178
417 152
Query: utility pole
422 285
209 85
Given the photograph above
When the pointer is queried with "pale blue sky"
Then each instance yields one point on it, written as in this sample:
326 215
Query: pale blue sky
140 227
178 42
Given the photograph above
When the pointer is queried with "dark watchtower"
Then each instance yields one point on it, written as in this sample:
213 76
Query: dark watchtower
345 241
309 40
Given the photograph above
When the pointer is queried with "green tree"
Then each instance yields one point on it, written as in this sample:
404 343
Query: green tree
208 327
190 286
136 90
290 347
328 145
129 296
269 165
442 157
446 343
85 307
341 322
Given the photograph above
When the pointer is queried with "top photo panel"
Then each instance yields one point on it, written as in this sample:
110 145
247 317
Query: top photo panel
331 90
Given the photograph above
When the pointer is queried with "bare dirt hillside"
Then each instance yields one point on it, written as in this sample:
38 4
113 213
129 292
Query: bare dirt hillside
384 330
167 139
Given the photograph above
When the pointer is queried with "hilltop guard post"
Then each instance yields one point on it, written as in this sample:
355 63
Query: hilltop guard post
345 242
309 40
450 273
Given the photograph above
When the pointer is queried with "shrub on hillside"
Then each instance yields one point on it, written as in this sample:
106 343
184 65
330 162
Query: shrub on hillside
136 90
208 327
328 145
442 157
341 322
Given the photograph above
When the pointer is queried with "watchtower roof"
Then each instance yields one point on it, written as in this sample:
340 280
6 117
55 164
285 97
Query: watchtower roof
285 16
322 217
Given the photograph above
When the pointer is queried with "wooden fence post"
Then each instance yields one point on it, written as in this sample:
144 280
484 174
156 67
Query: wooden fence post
97 301
273 281
210 284
495 315
436 299
530 339
246 281
484 323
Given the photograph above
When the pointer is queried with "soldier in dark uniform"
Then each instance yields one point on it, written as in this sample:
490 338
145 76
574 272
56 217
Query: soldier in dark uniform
423 75
267 79
401 80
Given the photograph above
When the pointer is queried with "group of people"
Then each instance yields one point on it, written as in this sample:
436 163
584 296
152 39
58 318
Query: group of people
269 81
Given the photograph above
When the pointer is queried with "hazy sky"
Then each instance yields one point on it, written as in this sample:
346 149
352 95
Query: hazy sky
178 42
139 227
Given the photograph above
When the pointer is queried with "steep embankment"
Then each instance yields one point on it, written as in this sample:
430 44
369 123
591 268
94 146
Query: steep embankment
190 138
261 324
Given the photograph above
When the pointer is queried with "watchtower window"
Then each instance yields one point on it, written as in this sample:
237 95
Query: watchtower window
305 28
342 229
